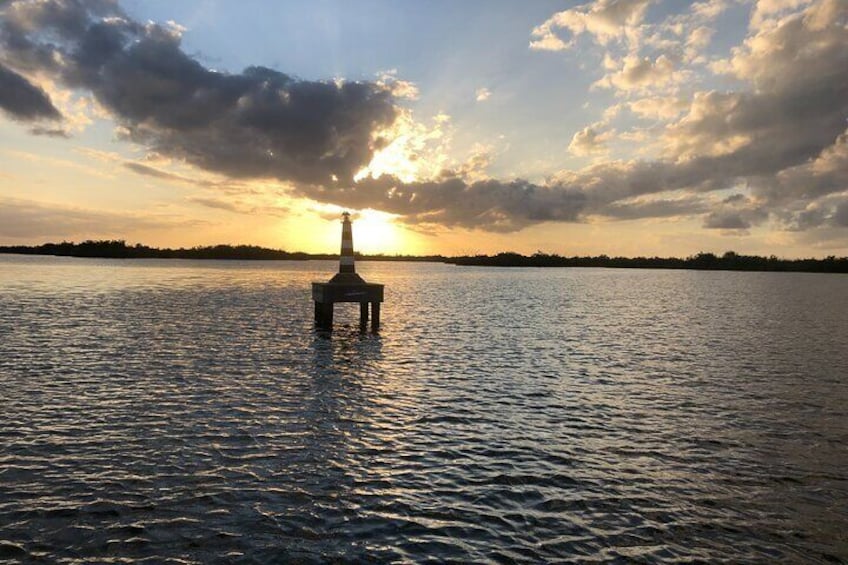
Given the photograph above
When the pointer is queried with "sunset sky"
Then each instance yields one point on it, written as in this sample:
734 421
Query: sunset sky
629 127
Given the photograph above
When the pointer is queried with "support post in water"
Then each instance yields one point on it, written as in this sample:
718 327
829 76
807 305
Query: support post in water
347 286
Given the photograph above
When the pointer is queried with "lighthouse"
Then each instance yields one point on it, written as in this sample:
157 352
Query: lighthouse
347 268
347 286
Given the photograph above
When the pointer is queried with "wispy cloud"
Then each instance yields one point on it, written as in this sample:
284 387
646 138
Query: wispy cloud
28 220
242 207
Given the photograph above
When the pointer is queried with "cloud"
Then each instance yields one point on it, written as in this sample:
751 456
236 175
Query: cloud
49 132
641 73
605 21
658 107
240 207
822 176
399 88
591 140
260 123
795 52
547 41
726 221
25 219
638 55
41 159
604 189
639 208
736 213
708 10
147 170
796 107
218 204
766 11
415 150
488 204
483 94
23 100
781 160
840 215
144 169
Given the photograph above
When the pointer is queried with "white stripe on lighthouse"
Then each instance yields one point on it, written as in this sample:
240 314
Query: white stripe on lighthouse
346 260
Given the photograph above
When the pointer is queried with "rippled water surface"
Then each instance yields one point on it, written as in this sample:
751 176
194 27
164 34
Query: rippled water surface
188 411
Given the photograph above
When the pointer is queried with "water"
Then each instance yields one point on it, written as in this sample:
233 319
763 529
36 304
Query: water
188 412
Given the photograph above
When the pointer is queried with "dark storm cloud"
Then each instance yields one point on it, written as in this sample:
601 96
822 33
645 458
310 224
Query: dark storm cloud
488 204
23 100
259 123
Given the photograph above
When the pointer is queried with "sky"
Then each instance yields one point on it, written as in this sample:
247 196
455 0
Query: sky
629 127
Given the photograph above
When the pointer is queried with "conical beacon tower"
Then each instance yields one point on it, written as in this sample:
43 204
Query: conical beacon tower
347 286
347 269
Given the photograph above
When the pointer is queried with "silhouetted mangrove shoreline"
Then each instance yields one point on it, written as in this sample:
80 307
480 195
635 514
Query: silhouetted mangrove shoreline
118 249
729 261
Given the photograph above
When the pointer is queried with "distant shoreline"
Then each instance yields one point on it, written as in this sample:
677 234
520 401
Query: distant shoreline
730 261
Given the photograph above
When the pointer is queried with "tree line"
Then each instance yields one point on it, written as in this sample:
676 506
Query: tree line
118 249
730 261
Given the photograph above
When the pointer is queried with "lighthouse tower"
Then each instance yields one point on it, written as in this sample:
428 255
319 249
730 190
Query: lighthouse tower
347 269
347 286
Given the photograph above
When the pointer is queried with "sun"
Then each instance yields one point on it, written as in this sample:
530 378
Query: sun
376 232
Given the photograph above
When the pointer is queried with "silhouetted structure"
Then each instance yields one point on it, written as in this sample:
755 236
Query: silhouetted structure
347 286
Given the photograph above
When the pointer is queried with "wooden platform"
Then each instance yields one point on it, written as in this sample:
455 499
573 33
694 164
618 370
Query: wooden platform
340 289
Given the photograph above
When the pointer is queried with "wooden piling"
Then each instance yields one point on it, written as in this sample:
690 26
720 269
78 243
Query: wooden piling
375 316
363 314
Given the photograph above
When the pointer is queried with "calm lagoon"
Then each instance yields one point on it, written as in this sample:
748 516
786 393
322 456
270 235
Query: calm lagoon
188 411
